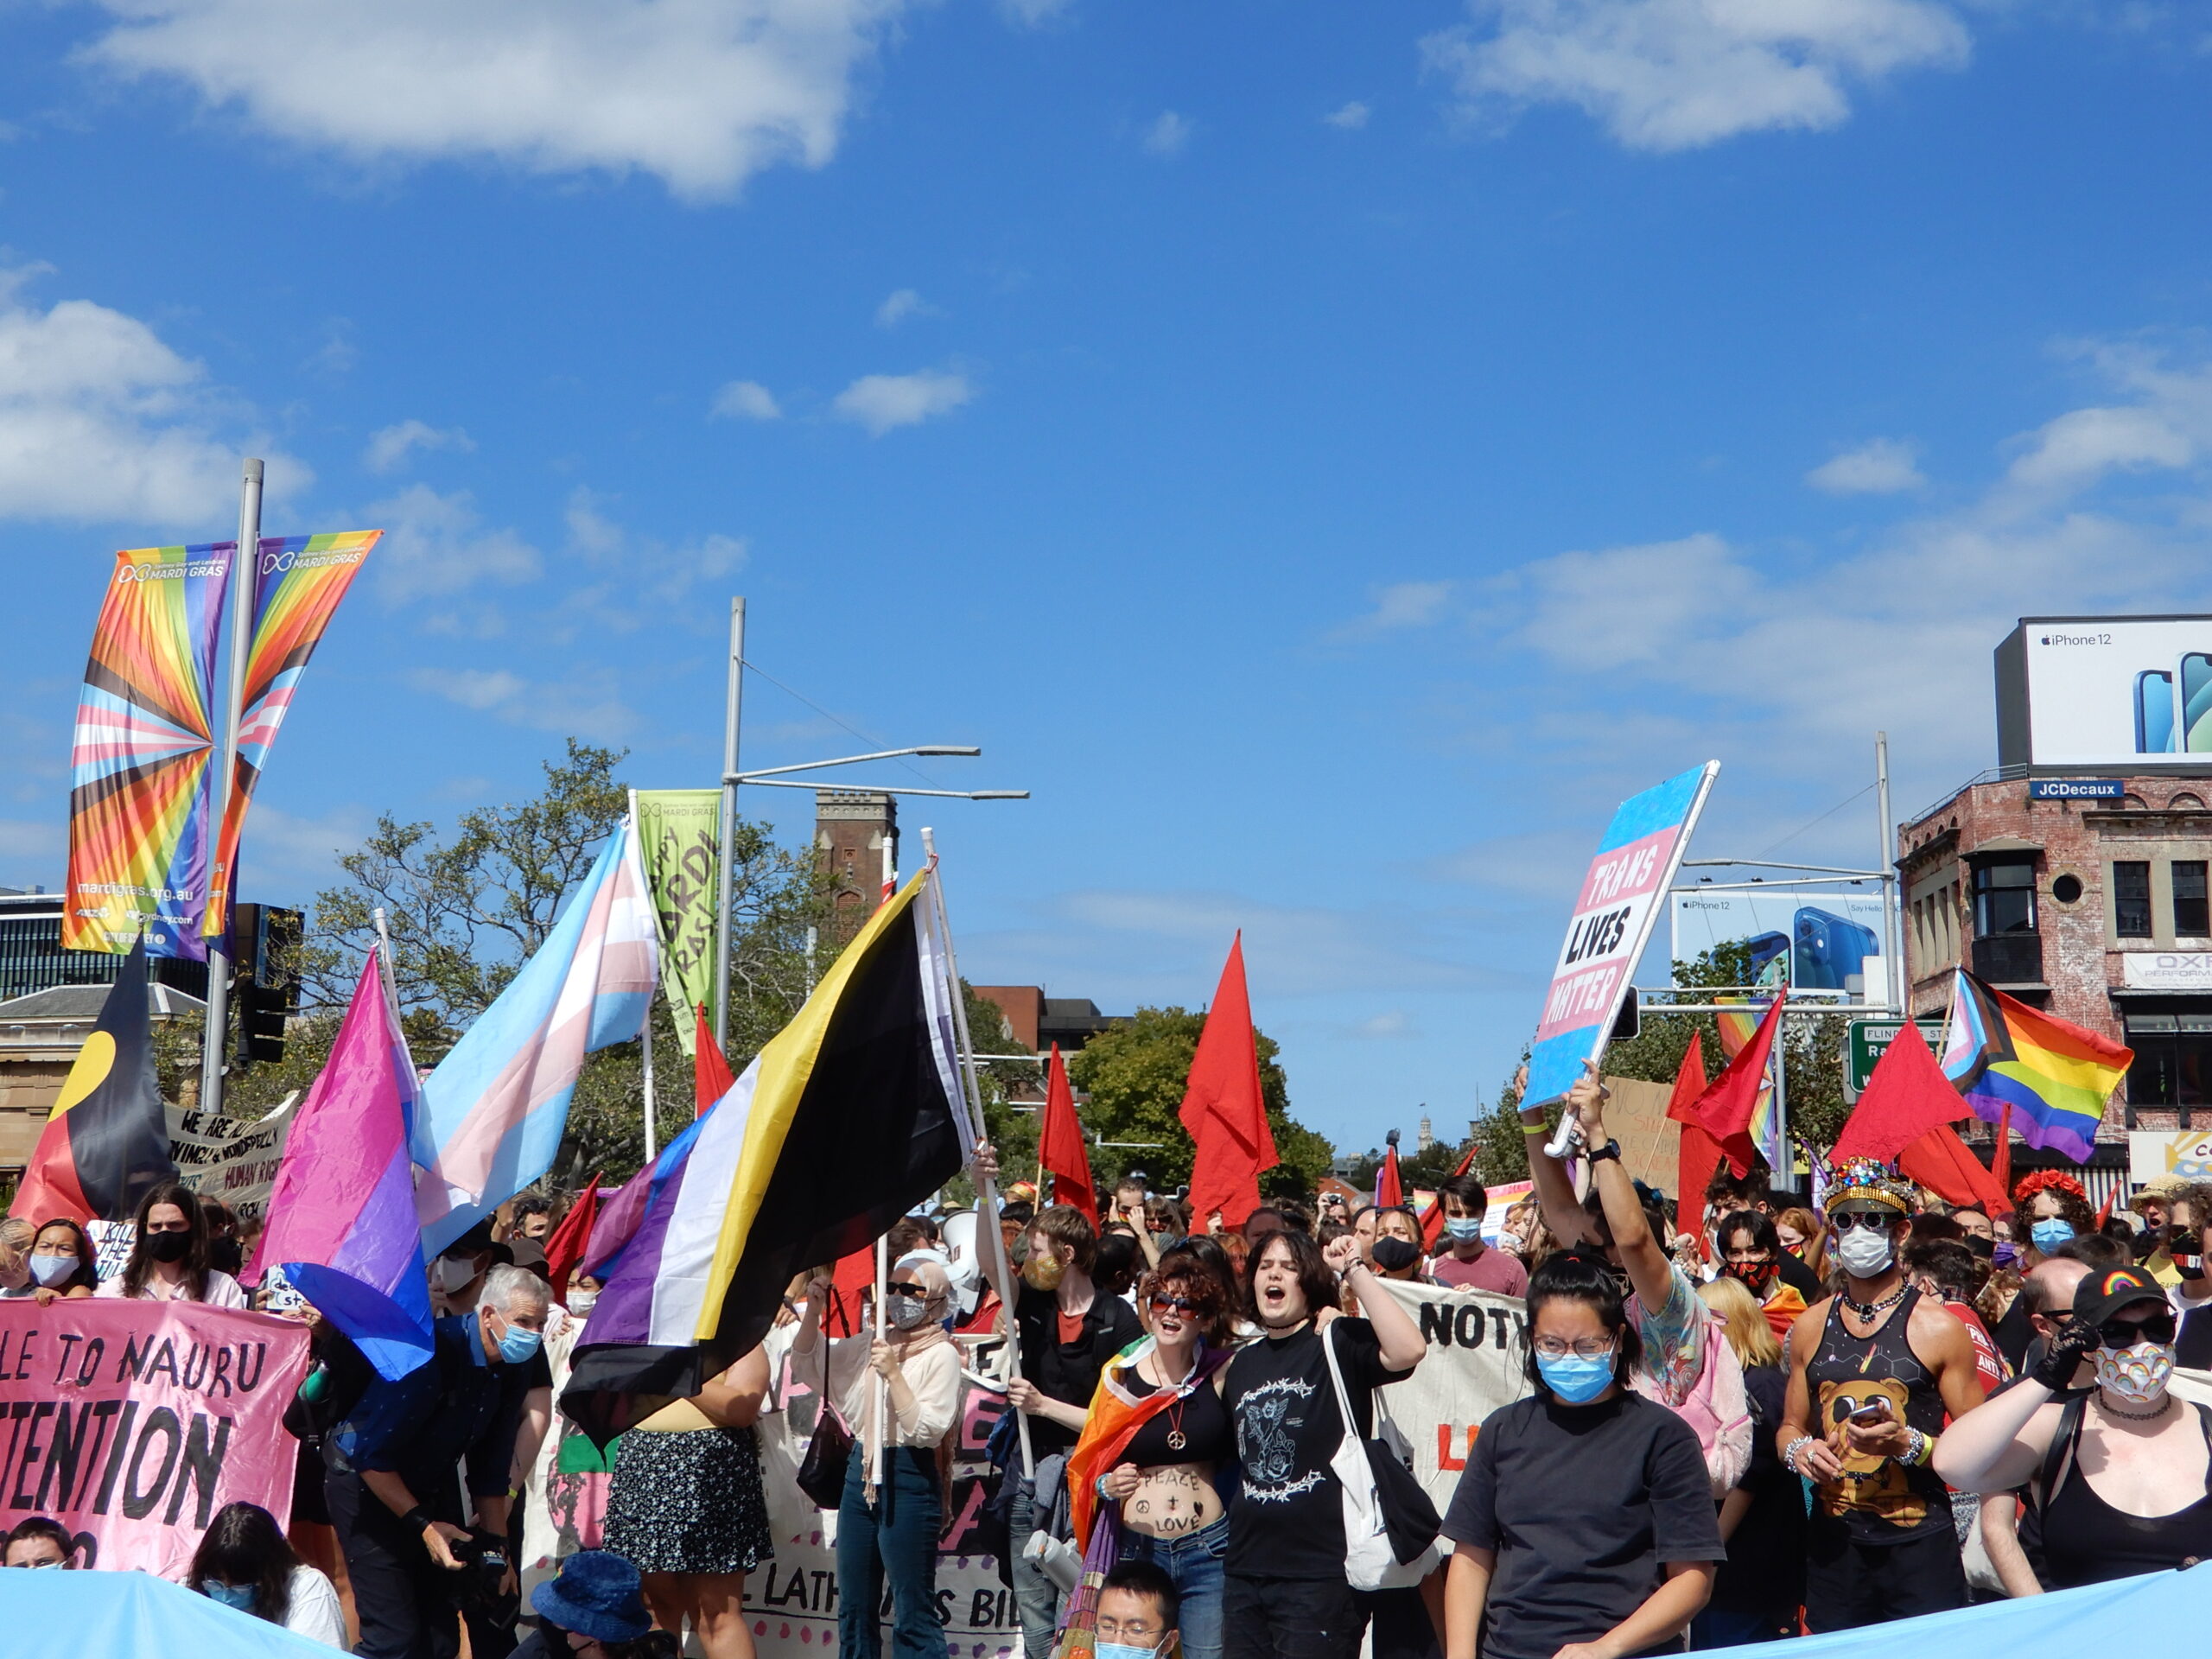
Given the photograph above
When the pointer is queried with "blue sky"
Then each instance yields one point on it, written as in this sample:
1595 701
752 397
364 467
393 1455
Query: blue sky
1329 453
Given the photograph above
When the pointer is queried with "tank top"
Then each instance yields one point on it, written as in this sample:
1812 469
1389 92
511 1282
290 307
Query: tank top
1209 1436
2086 1540
1877 1501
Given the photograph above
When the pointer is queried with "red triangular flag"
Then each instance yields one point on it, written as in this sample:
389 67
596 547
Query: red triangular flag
565 1245
1224 1109
1695 1159
1940 1160
1059 1143
709 1071
1724 1111
1432 1219
2000 1160
1907 1097
1389 1190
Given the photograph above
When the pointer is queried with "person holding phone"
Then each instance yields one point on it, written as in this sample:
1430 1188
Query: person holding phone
1873 1370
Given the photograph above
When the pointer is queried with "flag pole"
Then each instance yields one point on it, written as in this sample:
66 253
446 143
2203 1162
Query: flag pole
880 1392
733 703
244 559
650 1149
987 1195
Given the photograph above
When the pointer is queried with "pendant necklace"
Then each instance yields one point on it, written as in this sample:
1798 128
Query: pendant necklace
1176 1438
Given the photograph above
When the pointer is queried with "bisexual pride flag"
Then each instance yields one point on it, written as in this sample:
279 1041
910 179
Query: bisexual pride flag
1999 1053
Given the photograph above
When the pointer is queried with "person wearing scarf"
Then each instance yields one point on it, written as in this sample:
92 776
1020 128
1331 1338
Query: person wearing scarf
905 1387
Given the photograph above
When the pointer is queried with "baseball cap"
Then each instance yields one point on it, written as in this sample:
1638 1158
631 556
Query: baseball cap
2100 1295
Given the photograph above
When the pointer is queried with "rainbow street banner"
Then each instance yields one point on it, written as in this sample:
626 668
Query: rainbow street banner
139 771
297 582
1612 920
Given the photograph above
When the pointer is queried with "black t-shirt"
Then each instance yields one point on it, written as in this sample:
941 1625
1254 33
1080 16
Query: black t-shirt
1068 1371
1800 1278
1288 1520
1584 1505
1765 1569
2013 1334
1199 1416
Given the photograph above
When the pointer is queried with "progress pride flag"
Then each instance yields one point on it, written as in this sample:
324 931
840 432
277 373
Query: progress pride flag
131 1423
1612 920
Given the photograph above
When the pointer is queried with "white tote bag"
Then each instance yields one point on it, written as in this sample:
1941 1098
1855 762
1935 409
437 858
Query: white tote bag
1369 1562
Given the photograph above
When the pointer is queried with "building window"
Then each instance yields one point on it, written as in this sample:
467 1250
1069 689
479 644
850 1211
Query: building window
2130 900
2173 1059
2192 919
2004 899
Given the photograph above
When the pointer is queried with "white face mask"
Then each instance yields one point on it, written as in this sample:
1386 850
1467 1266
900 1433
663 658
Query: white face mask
456 1273
1865 1252
2137 1373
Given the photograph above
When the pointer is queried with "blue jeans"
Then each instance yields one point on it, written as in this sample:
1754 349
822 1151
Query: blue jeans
1036 1598
1193 1565
1726 1627
899 1538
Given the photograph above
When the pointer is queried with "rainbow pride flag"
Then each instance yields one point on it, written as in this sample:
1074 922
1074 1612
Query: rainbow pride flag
1768 1132
2055 1076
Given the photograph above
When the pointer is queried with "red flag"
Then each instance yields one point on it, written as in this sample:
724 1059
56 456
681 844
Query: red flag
1059 1143
1389 1191
1907 1097
1940 1161
1699 1154
565 1245
709 1070
1222 1107
1724 1111
2000 1161
1432 1219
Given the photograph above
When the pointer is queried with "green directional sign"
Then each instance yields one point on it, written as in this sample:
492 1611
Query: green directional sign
1869 1038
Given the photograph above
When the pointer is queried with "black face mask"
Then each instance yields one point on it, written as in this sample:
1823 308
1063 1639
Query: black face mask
1394 1255
168 1246
2186 1250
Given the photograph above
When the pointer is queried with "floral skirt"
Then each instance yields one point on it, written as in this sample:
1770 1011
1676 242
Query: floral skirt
688 1501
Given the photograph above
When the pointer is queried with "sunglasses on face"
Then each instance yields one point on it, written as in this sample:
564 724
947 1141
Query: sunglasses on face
2126 1334
1873 1221
1173 1305
920 1292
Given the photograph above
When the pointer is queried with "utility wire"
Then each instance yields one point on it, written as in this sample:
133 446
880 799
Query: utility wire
1810 823
865 737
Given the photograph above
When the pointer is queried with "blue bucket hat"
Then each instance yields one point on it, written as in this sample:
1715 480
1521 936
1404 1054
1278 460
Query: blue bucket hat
596 1594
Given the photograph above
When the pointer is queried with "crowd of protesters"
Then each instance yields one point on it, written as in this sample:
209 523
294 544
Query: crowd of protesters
1783 1419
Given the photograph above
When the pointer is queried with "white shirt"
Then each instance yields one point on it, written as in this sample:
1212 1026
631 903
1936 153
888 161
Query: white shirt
314 1612
223 1290
933 1374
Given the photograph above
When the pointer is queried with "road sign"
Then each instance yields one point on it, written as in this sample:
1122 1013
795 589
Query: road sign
1868 1039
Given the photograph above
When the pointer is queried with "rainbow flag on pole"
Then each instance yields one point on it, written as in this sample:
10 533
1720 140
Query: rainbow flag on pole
2055 1076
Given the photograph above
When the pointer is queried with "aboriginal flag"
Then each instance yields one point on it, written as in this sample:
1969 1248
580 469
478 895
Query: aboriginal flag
107 1141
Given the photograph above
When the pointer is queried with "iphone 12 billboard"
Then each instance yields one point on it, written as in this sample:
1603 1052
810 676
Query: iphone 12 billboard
2109 691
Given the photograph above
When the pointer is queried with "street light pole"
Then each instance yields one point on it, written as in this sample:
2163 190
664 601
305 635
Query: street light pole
244 564
732 702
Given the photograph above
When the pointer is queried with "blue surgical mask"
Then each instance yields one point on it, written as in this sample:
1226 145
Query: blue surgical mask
517 1345
1464 1227
1575 1379
53 1271
1123 1650
2051 1232
239 1596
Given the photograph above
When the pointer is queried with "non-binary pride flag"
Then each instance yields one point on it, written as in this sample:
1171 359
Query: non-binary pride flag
1612 922
850 1115
494 1111
2055 1076
138 763
297 582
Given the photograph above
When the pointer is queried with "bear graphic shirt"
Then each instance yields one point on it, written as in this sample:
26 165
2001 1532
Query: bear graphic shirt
1877 1501
1287 1520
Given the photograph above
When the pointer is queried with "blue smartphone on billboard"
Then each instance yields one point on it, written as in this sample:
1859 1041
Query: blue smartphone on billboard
1767 949
2195 702
2154 712
1831 948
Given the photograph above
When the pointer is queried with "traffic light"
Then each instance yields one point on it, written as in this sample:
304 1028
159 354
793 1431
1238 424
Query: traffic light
265 959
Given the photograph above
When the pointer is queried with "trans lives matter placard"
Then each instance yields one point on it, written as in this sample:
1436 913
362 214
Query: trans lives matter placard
131 1423
1612 920
1473 1367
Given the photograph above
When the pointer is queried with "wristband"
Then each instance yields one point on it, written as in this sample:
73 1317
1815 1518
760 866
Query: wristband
1919 1448
1598 1155
416 1519
1790 1453
1536 1130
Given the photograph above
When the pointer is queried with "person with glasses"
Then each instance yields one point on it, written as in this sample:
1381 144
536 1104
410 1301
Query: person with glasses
1873 1370
2120 1475
169 1259
1138 1612
1583 1526
1158 1437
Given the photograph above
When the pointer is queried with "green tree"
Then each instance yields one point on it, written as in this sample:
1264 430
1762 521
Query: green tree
1135 1076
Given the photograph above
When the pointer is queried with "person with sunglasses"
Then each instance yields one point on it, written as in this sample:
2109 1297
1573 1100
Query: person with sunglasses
2188 1212
1156 1441
1873 1370
2121 1475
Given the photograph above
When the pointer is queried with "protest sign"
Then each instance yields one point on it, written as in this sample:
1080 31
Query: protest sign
233 1159
793 1601
112 1241
132 1423
679 840
1473 1367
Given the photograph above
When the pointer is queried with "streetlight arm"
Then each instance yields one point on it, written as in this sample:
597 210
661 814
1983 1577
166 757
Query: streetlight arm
753 782
847 760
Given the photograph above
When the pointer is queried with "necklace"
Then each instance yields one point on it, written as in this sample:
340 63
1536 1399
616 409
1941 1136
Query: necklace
2155 1412
1176 1438
1868 1309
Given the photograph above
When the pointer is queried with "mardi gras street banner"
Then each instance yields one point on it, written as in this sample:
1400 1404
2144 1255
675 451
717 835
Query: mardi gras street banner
679 836
1612 921
297 582
1473 1367
233 1159
139 761
131 1423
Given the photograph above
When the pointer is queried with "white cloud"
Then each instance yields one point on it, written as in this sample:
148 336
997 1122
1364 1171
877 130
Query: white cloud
1032 14
1350 117
390 445
902 305
1167 135
1401 605
700 93
1675 74
101 420
2082 446
438 545
1880 466
652 571
472 687
581 704
745 400
880 402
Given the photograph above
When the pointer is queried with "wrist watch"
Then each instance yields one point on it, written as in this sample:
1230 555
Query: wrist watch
1598 1155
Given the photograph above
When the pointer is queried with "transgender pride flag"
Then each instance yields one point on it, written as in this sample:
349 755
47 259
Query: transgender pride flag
494 1111
341 1219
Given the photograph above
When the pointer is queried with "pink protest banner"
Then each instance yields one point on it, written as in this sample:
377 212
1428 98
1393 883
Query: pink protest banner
131 1423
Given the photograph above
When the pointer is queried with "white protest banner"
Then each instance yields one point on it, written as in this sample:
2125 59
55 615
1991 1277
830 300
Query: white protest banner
131 1423
793 1601
1473 1367
112 1241
233 1159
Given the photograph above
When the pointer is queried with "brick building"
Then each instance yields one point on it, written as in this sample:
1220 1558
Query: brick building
853 831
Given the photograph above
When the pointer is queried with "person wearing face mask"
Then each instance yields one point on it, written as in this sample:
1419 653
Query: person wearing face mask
2053 1209
59 1264
1140 1615
1583 1526
168 1258
2188 1213
1396 1252
898 1391
1751 1255
39 1542
2120 1475
391 1490
1873 1370
1470 1264
686 1508
244 1563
